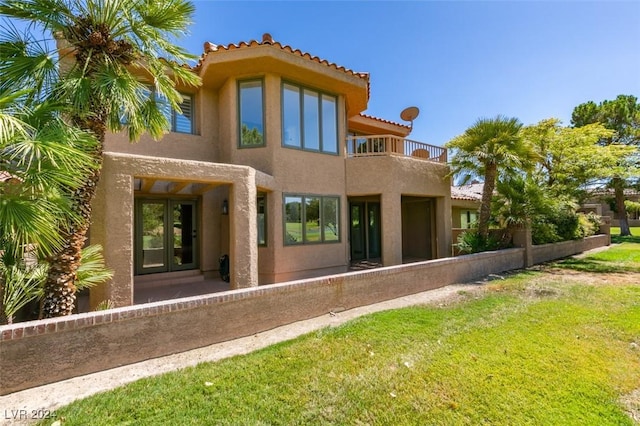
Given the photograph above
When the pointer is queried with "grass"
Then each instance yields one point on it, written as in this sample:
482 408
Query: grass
535 348
616 238
624 258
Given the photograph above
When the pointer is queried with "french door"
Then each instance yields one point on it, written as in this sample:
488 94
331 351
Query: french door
166 235
366 235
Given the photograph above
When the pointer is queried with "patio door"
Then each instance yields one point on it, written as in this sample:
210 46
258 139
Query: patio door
166 235
365 230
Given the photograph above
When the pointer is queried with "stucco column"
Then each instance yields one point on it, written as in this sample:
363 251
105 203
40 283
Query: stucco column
443 227
522 238
605 228
244 232
113 229
391 212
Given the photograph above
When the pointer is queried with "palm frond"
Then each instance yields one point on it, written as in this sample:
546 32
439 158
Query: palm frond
21 286
50 14
57 147
92 270
28 221
170 16
11 128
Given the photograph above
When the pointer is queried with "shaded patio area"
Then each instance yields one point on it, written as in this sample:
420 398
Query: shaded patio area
169 291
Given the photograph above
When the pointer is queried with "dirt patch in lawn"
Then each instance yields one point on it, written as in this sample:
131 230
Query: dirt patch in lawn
631 404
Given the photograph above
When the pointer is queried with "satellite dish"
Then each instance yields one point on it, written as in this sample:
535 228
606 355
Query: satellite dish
409 114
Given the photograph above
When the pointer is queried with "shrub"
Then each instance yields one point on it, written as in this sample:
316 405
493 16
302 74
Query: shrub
567 224
544 232
595 220
472 242
632 206
588 225
564 225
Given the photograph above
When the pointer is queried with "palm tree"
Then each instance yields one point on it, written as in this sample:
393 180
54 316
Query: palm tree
40 158
490 147
109 54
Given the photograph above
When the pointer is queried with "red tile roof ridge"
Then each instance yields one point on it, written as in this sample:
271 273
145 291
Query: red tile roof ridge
471 192
268 40
395 123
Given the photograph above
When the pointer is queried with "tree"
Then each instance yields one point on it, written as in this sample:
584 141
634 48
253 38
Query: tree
570 160
489 148
622 115
41 158
109 51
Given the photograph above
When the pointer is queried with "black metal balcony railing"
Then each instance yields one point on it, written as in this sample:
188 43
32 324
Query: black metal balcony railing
381 145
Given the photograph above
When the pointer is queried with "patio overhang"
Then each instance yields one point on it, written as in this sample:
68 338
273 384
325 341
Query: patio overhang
126 176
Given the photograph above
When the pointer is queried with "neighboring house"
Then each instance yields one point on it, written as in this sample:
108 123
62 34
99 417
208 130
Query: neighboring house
465 205
273 163
603 202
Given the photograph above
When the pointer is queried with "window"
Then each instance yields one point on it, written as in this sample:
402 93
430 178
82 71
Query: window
251 115
311 219
468 218
261 206
309 119
180 122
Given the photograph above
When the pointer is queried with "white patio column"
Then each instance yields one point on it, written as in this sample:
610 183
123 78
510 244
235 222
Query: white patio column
243 232
113 229
391 212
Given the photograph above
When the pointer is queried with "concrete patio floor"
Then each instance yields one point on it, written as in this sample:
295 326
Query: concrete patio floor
168 290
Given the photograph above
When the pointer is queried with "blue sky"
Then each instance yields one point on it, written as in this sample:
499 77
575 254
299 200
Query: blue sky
456 61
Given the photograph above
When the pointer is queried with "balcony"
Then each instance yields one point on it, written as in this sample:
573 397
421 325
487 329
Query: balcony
385 145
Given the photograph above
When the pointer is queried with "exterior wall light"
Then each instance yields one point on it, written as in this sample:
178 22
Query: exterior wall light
225 207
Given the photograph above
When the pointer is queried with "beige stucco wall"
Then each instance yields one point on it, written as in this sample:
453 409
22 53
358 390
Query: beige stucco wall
296 172
395 176
203 146
288 171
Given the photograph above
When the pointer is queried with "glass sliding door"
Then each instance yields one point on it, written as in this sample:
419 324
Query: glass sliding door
357 231
166 235
374 236
366 230
184 234
152 248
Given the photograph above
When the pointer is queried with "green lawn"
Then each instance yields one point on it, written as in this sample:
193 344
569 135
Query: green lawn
550 347
616 238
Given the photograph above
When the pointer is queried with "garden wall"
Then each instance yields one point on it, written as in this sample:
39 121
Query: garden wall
39 352
631 222
546 252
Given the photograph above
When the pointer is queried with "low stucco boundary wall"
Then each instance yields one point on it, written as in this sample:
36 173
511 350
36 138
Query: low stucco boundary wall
547 252
46 351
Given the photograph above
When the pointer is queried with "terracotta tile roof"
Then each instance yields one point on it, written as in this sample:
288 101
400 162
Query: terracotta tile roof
610 192
210 48
472 192
382 120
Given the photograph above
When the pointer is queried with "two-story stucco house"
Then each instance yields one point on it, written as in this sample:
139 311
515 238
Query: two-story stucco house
273 163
